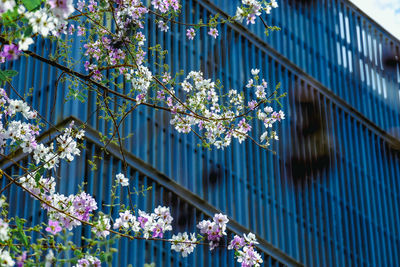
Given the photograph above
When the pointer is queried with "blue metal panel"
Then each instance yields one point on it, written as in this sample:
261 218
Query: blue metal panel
345 214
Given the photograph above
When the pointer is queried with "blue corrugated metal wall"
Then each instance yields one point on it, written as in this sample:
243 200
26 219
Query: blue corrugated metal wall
330 197
335 43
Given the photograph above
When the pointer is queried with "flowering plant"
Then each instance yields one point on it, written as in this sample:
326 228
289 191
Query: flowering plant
114 49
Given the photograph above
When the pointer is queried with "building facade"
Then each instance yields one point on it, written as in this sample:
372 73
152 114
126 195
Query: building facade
331 194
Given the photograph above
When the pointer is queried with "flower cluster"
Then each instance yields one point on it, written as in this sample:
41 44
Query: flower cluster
87 261
38 185
251 9
119 50
268 116
204 108
102 50
155 224
23 134
50 19
183 243
79 206
129 13
215 229
67 148
152 225
165 5
43 22
127 221
102 225
246 253
15 132
141 80
5 257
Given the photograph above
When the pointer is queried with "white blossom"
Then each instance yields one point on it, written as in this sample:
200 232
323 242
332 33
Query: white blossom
121 179
6 5
5 258
24 43
255 71
3 230
183 243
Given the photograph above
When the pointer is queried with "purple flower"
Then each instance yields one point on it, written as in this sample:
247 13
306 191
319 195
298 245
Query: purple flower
97 75
84 204
81 31
244 126
21 259
163 26
87 64
160 94
142 221
71 29
140 97
190 33
96 263
213 32
157 232
83 263
61 8
169 101
11 52
214 230
92 5
201 125
81 5
237 243
53 227
252 104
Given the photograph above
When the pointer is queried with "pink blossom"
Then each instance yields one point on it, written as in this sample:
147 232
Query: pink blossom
213 32
252 104
53 227
190 33
10 52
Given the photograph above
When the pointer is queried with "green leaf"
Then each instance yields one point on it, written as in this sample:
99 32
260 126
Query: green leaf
38 175
6 75
28 31
31 166
31 4
77 253
20 232
10 17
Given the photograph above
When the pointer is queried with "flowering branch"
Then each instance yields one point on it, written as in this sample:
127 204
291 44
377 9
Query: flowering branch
114 49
